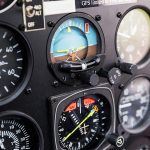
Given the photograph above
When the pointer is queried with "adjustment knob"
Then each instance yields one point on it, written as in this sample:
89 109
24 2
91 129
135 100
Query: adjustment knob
92 79
114 75
115 140
83 65
128 68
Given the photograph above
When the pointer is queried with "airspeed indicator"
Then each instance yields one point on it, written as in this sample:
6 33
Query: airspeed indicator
14 62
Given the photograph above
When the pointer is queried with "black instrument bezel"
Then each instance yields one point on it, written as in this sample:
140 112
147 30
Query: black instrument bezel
28 64
145 122
8 6
65 77
145 61
59 103
16 114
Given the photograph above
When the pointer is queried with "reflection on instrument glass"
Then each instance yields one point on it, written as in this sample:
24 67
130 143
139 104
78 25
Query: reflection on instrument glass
18 132
75 40
139 143
84 123
134 105
6 4
133 36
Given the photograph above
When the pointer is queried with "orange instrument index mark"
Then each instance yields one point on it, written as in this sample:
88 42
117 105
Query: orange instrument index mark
96 108
71 107
88 101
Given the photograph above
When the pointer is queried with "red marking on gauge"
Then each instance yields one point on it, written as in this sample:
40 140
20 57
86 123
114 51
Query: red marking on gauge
71 107
88 101
86 27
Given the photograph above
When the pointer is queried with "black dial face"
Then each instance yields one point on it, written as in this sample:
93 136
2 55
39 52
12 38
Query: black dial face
18 133
84 123
6 4
13 61
134 104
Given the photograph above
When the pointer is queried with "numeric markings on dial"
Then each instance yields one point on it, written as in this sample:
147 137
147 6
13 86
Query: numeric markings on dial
9 49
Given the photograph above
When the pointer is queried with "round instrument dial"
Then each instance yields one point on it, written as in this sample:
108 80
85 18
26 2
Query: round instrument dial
133 37
14 58
75 40
76 44
6 4
19 132
134 105
84 123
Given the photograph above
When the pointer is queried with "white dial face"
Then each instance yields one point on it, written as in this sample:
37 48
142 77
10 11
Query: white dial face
134 103
133 36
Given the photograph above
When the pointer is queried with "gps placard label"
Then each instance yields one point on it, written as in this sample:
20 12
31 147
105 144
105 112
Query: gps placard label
94 3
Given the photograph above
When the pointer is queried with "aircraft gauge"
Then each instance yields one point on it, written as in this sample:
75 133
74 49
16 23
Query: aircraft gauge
19 132
76 44
15 63
84 123
133 37
134 105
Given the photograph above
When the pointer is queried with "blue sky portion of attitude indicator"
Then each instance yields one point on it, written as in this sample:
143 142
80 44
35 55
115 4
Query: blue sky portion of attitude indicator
74 40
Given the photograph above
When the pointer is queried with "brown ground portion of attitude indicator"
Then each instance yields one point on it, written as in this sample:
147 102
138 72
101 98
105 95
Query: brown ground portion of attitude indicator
82 54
